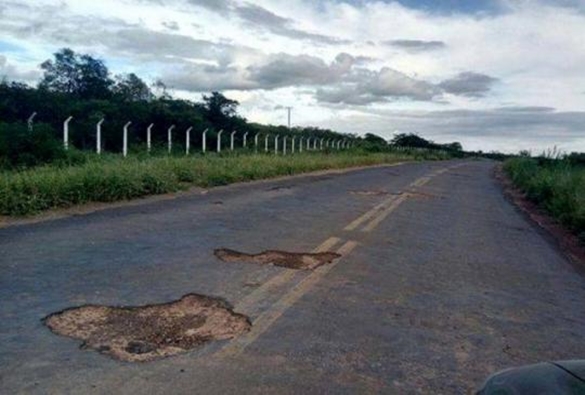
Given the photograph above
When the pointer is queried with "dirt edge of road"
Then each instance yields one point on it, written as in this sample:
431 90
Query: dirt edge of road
567 242
85 209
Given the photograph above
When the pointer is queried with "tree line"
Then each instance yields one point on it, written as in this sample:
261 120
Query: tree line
82 86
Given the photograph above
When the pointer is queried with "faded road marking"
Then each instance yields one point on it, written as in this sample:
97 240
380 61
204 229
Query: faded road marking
268 288
269 317
382 215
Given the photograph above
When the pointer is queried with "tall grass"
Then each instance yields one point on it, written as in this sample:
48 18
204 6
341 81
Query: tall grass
108 178
557 185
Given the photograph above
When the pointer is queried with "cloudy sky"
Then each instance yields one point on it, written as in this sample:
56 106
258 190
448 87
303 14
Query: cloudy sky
495 75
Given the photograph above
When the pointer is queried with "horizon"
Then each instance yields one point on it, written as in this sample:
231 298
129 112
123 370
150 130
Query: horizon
337 63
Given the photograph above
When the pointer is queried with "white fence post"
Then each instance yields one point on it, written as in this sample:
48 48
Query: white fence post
245 143
125 147
266 143
232 140
98 136
284 145
170 138
293 144
301 144
188 140
256 142
321 144
204 141
66 133
149 137
315 144
30 121
276 145
308 143
219 141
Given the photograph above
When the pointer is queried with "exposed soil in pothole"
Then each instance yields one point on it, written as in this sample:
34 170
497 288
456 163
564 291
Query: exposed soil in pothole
291 260
146 333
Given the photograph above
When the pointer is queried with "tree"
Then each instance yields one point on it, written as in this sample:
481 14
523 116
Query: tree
80 75
130 87
411 140
219 107
375 139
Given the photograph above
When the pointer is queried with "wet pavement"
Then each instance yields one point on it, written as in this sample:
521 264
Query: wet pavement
440 282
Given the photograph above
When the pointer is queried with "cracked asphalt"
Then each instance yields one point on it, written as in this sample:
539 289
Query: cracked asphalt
441 282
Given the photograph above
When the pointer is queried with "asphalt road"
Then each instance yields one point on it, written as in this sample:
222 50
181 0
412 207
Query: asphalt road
441 283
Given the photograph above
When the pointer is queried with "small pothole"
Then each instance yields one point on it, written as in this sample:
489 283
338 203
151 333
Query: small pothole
146 333
291 260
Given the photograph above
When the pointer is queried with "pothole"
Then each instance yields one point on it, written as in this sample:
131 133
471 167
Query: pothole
146 333
291 260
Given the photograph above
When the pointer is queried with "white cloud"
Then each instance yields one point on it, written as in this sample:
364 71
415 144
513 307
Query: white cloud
394 60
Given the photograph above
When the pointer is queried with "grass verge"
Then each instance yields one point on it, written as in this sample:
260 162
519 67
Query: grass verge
111 178
556 185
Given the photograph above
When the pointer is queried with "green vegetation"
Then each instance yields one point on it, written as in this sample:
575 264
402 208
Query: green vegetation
558 185
37 173
112 178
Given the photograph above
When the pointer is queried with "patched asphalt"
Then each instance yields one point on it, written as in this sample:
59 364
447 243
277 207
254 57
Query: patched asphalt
449 285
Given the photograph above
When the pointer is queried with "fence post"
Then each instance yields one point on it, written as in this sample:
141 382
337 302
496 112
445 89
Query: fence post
232 140
188 140
219 141
301 144
245 144
293 144
284 145
256 142
125 147
170 138
266 143
308 143
204 141
98 136
276 145
30 121
149 137
66 133
321 145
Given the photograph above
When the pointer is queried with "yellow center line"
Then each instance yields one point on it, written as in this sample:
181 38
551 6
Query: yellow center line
363 218
270 316
249 301
382 216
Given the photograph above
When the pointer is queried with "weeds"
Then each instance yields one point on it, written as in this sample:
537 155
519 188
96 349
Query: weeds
558 185
83 178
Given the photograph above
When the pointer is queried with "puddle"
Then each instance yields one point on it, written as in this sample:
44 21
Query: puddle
146 333
291 260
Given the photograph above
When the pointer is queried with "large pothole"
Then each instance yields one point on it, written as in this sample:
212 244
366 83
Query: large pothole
291 260
146 333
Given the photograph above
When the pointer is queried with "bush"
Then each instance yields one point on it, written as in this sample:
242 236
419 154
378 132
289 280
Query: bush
20 147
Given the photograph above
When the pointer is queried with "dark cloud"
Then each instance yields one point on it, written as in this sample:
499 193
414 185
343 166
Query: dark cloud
366 87
171 25
213 5
468 84
260 17
416 45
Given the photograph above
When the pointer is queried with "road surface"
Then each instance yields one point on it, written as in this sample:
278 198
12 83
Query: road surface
441 282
